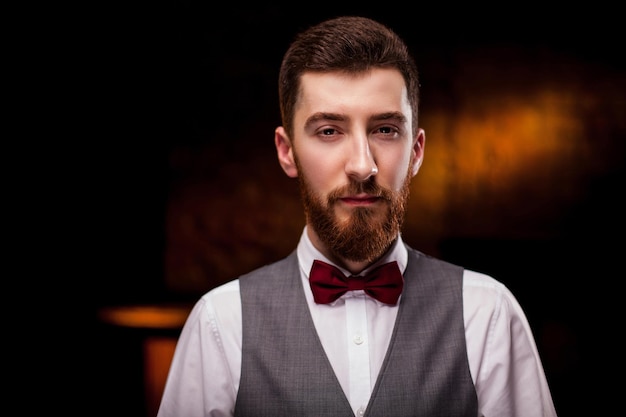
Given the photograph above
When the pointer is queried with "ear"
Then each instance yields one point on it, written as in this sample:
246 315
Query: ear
418 151
284 150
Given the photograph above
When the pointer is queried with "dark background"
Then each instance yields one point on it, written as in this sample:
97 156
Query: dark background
179 189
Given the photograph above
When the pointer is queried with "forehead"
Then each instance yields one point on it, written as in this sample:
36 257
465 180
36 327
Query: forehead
376 90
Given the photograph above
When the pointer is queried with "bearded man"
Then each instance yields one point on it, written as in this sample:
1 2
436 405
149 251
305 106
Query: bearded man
355 322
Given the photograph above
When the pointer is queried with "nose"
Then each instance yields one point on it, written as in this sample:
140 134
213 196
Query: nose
360 164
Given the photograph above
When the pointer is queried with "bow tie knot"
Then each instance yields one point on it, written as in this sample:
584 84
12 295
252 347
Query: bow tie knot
328 283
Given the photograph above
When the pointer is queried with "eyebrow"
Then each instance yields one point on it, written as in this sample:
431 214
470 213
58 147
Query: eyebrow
316 117
392 115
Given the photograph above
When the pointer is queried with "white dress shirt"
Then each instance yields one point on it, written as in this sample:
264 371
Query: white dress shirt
504 363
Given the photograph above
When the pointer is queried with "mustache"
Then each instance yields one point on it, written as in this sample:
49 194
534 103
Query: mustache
357 187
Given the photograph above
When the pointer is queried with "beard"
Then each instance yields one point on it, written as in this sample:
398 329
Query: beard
368 232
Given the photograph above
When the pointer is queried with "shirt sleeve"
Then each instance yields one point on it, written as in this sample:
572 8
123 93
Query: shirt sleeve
204 374
504 361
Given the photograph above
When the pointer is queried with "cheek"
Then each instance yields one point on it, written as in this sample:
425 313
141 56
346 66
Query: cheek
318 171
395 182
392 171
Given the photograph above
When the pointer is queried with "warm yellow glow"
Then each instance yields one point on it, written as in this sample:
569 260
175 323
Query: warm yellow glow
498 156
154 317
158 353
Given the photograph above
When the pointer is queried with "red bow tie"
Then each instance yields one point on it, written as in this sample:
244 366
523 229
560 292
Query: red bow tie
328 283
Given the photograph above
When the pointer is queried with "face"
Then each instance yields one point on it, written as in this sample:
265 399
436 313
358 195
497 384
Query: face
354 155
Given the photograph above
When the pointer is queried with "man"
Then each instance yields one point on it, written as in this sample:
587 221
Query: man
427 339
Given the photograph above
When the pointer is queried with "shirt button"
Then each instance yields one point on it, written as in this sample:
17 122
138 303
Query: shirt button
358 339
360 412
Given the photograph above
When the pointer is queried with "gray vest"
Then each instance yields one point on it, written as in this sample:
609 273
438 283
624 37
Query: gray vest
285 371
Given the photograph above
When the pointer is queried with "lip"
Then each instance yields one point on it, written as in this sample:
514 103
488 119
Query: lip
360 200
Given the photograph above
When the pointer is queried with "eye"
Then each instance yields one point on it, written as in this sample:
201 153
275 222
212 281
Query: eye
328 134
386 132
